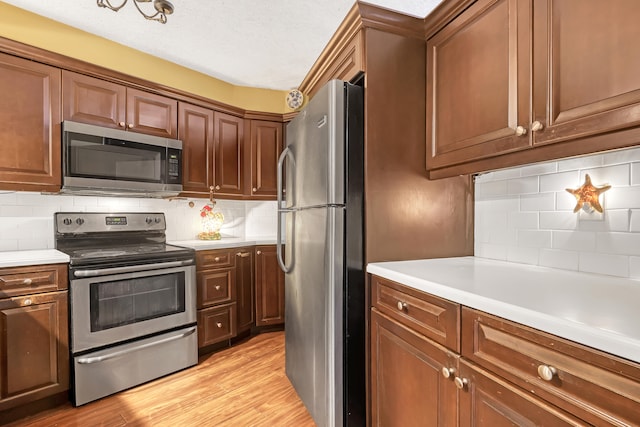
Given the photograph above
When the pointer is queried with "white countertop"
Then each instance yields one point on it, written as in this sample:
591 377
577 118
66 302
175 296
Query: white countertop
35 257
225 242
595 310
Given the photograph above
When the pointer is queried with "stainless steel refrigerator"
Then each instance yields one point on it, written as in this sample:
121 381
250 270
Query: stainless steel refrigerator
323 254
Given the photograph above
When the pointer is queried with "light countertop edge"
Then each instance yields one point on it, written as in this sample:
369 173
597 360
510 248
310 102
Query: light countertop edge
612 342
32 257
224 243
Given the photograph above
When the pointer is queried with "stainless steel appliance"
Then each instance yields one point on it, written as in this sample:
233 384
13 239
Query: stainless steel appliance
104 161
132 301
324 281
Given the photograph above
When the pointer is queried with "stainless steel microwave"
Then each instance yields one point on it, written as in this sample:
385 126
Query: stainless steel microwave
112 162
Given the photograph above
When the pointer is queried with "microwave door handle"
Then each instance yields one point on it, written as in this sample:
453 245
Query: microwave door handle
98 359
130 269
283 210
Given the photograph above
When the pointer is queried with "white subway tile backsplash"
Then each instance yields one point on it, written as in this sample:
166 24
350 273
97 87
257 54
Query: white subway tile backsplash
541 226
555 258
613 265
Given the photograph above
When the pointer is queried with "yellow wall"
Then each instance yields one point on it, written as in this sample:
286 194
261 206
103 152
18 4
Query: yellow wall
35 30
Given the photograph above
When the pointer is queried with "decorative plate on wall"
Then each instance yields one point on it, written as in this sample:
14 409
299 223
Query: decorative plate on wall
295 99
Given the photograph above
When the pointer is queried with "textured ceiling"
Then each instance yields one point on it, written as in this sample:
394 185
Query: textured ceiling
259 43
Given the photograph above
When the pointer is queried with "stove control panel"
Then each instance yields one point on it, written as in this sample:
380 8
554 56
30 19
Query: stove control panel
93 222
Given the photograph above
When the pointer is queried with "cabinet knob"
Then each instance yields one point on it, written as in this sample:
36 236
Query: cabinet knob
217 259
402 305
121 124
28 301
219 325
217 187
547 372
254 189
130 126
447 372
461 383
521 130
217 287
536 126
284 190
27 281
258 252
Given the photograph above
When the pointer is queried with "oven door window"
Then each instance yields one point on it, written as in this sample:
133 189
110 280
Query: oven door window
123 302
106 158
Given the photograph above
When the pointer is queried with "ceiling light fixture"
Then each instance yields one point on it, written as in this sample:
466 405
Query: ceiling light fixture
163 8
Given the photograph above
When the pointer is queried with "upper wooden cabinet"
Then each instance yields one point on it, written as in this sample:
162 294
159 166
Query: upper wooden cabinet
266 146
213 151
100 102
30 131
505 76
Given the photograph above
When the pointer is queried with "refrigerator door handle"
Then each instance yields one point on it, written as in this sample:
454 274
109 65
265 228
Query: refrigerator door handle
286 153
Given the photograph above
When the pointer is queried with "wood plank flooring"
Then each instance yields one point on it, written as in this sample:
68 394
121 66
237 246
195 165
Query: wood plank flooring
244 385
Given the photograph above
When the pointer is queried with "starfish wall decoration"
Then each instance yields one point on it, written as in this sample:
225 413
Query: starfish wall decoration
587 196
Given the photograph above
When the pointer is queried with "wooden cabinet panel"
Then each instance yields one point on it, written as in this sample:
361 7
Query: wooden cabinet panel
89 100
18 281
596 387
266 146
269 287
152 114
216 287
216 324
488 401
229 152
34 353
587 68
434 317
30 134
103 103
407 386
195 130
245 318
478 83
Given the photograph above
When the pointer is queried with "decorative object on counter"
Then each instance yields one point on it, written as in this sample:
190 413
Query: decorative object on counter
211 221
163 8
588 195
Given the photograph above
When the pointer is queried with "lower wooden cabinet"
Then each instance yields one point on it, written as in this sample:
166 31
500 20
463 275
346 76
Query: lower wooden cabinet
34 351
245 318
269 287
407 385
216 324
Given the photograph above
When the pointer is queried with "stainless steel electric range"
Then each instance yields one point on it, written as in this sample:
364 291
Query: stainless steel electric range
132 301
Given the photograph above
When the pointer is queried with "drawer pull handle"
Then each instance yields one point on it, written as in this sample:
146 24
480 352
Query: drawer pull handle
219 325
536 126
547 372
521 130
243 254
461 383
28 301
258 252
27 281
217 259
402 305
217 287
447 372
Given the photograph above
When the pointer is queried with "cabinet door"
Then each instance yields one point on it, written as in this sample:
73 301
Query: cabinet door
486 400
195 130
266 145
30 132
269 287
152 114
407 385
216 286
228 156
587 68
244 290
34 355
93 101
216 324
478 83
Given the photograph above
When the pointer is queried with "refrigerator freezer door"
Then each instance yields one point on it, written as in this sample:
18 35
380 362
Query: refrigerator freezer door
313 312
316 138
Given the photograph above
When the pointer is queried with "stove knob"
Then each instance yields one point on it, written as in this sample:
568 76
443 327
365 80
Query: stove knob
79 221
157 220
66 221
148 220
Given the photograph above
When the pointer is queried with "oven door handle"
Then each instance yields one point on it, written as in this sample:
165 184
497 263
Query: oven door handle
131 268
98 359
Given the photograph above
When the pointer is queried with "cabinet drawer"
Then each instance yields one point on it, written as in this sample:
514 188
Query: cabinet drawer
216 324
597 387
434 317
17 281
219 258
216 287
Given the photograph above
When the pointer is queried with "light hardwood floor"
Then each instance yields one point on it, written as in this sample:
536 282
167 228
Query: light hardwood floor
244 385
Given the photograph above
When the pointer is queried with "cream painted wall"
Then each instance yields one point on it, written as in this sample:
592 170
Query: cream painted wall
31 29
